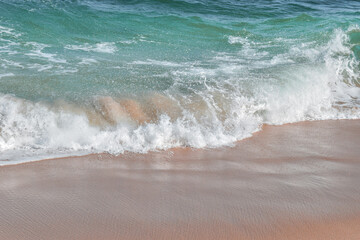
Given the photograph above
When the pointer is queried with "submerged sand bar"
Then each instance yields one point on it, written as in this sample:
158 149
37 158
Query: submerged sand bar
296 181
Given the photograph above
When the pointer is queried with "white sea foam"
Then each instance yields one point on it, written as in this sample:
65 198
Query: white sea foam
40 67
236 39
159 63
6 75
128 42
62 71
37 52
38 129
8 31
8 63
105 47
6 40
87 61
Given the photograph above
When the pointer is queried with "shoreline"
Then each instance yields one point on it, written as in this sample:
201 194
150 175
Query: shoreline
171 150
294 181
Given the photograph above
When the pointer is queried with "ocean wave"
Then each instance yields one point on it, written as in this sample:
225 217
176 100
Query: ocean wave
218 114
127 82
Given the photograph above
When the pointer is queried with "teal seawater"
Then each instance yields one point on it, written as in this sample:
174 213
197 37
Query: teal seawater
200 73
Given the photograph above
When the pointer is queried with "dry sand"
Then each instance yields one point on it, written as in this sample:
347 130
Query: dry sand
297 181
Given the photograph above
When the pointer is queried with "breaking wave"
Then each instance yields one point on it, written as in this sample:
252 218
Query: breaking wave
220 105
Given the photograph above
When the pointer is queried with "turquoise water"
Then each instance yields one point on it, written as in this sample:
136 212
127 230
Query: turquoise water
113 76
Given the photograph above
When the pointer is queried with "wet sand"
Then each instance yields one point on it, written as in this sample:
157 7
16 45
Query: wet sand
297 181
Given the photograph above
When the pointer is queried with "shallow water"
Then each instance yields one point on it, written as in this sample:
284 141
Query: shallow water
112 76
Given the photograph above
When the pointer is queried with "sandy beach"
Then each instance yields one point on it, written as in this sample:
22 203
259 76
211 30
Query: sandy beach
151 120
296 181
